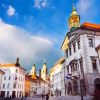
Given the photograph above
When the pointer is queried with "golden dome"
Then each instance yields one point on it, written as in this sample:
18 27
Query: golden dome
74 12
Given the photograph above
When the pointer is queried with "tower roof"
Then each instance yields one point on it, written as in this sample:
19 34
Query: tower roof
74 12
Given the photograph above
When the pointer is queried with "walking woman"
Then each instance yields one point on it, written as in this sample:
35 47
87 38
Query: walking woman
47 97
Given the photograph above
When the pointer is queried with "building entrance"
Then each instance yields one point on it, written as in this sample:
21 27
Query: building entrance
97 83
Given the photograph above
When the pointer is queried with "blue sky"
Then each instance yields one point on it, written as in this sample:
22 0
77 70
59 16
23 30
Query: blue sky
35 29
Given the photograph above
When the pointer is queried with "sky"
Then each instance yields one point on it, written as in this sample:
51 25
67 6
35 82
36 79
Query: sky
34 30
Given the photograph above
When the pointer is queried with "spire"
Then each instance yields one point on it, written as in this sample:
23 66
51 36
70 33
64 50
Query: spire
17 62
73 7
44 60
74 19
34 66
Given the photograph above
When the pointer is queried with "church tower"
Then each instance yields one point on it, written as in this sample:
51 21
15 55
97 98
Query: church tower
44 71
74 20
33 70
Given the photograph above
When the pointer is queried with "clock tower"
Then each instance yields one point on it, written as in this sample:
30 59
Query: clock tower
74 20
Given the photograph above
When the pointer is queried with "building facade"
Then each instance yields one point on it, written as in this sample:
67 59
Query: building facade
30 86
1 74
81 68
55 78
13 81
43 82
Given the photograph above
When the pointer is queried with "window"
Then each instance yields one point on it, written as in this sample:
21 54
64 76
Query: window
94 65
76 67
3 86
16 70
14 85
90 42
5 78
74 47
67 53
8 86
78 43
16 78
19 78
67 69
81 65
70 50
9 77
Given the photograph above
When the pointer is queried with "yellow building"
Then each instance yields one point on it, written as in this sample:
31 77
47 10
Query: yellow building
42 79
27 85
44 72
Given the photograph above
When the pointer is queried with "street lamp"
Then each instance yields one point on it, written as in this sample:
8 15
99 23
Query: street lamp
82 72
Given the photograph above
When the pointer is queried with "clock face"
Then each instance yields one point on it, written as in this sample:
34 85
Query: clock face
75 18
74 21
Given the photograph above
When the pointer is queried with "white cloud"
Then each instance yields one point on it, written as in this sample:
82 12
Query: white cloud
16 42
41 4
84 7
37 4
11 11
44 4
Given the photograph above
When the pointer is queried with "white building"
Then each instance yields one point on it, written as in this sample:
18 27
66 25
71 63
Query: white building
81 65
1 74
13 81
55 78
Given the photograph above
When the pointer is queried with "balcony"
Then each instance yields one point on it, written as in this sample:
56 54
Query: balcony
75 74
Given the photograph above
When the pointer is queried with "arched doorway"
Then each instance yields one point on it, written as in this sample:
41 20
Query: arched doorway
69 88
83 87
75 88
97 83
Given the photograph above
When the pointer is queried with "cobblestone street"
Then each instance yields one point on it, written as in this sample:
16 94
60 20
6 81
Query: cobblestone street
57 98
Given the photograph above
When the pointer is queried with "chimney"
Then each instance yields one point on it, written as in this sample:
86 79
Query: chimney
17 62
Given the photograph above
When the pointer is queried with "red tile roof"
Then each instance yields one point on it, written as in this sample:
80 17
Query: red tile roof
91 26
2 72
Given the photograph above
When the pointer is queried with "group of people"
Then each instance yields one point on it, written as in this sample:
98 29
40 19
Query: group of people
45 97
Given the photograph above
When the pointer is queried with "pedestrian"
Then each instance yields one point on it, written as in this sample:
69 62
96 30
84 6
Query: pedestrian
42 96
22 98
96 94
47 97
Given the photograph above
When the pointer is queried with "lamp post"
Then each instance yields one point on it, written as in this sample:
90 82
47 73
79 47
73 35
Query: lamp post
83 76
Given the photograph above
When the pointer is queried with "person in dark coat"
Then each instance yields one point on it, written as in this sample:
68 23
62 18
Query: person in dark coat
47 97
96 94
42 96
